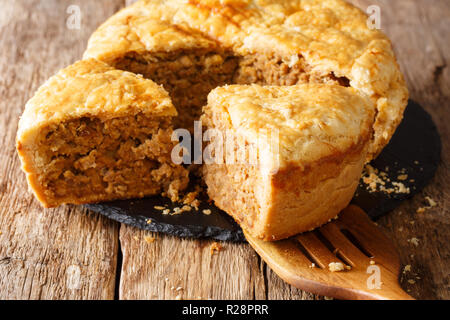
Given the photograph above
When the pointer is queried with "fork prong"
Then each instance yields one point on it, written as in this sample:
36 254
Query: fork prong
343 246
369 236
317 249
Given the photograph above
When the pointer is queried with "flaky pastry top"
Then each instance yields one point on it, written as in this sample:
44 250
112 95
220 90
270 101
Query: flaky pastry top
91 88
312 122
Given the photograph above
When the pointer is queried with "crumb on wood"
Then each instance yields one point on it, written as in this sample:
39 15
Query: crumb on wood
421 210
414 241
407 268
206 212
216 247
149 239
431 204
159 207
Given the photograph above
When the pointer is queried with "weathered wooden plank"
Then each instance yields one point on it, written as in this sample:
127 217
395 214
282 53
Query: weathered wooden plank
63 253
155 270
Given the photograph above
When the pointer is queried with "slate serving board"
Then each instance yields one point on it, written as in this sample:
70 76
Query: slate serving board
415 148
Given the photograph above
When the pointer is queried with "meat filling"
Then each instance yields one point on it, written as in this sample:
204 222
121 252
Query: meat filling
118 158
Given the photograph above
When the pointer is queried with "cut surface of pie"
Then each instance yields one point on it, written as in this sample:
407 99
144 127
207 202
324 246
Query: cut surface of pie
309 141
92 133
193 46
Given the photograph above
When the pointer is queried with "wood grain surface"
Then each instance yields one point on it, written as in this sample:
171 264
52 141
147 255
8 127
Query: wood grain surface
69 253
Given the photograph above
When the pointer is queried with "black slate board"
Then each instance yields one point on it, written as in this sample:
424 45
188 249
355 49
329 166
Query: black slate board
415 147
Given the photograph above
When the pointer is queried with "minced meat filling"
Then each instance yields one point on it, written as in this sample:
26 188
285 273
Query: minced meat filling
189 76
122 157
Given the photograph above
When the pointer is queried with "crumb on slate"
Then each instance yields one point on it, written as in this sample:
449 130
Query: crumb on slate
378 181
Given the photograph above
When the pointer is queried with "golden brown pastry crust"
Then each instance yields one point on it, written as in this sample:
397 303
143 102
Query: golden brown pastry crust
324 133
331 35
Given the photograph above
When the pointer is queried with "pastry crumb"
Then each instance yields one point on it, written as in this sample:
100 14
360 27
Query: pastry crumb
159 207
421 210
407 268
186 208
149 239
414 241
431 202
215 248
149 221
336 266
191 198
378 181
400 187
207 212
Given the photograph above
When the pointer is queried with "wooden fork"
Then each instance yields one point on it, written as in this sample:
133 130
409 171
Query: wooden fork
371 263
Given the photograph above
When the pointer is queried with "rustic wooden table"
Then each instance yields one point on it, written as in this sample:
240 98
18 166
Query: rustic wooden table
70 253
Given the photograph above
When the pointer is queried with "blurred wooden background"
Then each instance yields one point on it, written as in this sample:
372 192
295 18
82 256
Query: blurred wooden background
69 253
